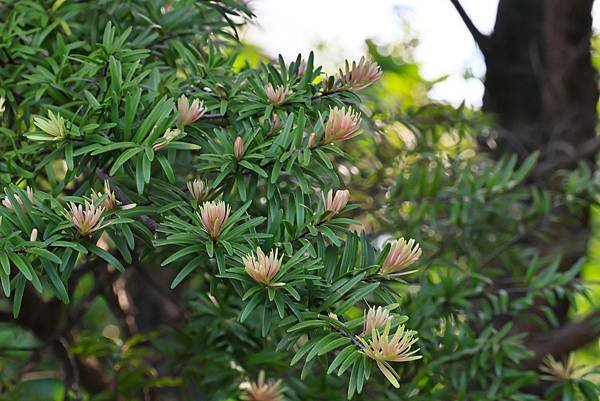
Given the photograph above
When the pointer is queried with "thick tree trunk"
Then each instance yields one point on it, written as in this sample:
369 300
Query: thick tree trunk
541 86
513 57
540 82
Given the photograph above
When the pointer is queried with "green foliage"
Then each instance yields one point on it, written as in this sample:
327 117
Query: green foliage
108 75
94 123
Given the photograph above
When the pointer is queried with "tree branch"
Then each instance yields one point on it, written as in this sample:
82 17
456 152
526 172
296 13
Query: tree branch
565 339
481 39
45 321
551 165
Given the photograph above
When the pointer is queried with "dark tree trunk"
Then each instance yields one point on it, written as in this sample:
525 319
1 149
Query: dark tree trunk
541 86
513 57
540 83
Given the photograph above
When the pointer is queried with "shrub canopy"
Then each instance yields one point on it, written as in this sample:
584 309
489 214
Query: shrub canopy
176 221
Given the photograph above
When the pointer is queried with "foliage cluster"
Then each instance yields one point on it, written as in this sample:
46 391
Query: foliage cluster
135 141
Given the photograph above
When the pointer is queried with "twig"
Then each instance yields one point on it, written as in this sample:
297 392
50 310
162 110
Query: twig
587 149
214 116
120 300
71 370
519 237
565 339
481 39
352 338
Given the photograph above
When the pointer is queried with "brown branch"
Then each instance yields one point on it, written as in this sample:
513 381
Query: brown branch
535 226
565 339
586 150
213 116
45 320
70 368
481 39
121 304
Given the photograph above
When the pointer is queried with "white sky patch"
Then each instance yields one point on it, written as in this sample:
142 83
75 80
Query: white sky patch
289 27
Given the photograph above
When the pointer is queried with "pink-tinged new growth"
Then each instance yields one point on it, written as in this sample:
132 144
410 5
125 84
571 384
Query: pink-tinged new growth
263 268
198 189
238 148
402 254
301 69
312 140
383 349
86 220
561 370
360 227
276 95
2 100
189 114
166 8
341 125
327 86
276 123
214 215
263 390
7 203
54 125
110 201
359 76
169 135
334 203
376 318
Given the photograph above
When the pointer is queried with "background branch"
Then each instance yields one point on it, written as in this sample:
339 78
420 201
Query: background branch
481 39
46 320
565 339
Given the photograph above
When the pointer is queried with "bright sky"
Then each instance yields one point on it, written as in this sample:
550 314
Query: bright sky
289 27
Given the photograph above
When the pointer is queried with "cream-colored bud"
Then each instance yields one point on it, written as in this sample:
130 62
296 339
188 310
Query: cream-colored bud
402 254
188 114
214 215
341 125
7 203
86 220
334 202
276 95
361 75
238 148
263 268
263 390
